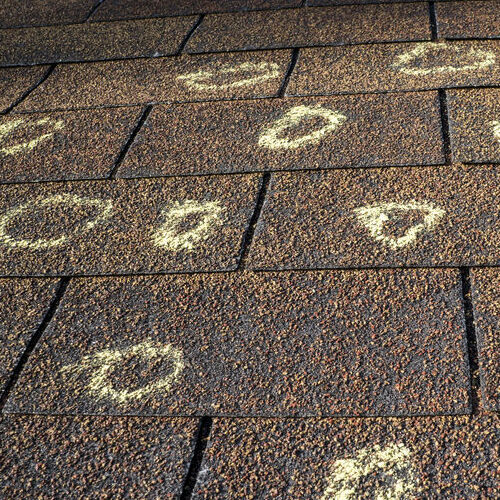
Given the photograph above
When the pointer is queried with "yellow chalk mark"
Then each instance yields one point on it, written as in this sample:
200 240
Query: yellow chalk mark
200 80
101 364
482 59
8 128
394 462
169 235
374 218
270 138
496 129
105 207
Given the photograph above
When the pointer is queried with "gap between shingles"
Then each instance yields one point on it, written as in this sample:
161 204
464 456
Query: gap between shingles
121 156
472 350
248 236
445 127
197 459
433 21
190 33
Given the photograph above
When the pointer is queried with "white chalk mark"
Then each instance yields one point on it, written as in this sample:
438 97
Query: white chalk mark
101 365
104 206
480 59
393 462
7 128
374 218
200 80
271 136
172 237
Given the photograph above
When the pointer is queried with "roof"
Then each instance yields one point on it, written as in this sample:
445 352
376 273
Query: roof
249 249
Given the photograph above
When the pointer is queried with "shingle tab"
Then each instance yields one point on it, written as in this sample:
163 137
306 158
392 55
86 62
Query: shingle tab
128 9
470 19
122 227
187 78
486 301
440 457
396 67
288 134
474 118
380 217
16 13
253 344
306 27
93 41
63 146
74 458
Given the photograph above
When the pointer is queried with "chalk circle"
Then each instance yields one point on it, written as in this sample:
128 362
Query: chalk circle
374 217
481 59
171 237
105 207
101 364
200 80
9 127
394 462
271 136
495 125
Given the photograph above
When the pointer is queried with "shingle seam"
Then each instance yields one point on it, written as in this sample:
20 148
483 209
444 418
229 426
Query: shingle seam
190 34
96 5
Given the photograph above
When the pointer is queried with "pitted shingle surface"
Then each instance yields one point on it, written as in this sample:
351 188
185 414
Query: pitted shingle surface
94 457
275 344
486 296
304 27
14 82
288 134
188 78
14 13
439 457
123 227
63 146
95 41
470 19
380 217
24 304
396 67
127 9
475 124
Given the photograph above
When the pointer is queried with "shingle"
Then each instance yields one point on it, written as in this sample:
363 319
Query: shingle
219 76
93 41
123 227
392 217
306 27
63 146
74 458
396 67
253 344
288 134
440 457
